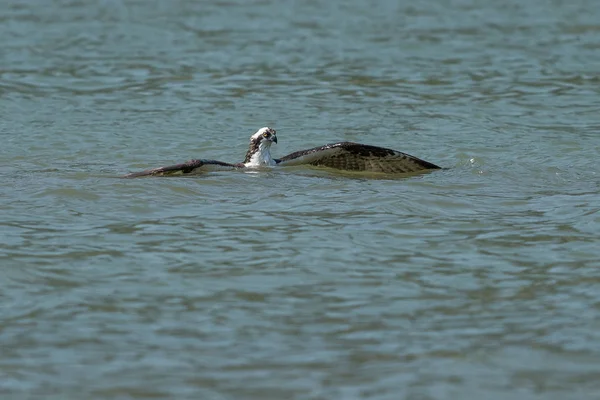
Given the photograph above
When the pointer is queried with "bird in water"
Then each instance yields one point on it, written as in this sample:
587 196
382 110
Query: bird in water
345 156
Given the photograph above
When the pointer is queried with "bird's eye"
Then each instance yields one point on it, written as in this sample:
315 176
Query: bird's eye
266 134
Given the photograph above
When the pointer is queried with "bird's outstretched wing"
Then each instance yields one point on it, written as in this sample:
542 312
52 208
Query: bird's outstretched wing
357 157
184 168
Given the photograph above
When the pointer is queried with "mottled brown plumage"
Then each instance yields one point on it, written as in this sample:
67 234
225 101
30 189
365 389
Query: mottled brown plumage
181 169
347 156
350 156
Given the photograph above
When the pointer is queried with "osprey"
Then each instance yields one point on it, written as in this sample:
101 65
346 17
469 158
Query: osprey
346 156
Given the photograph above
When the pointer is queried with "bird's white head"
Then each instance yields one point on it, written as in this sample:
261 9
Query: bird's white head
259 152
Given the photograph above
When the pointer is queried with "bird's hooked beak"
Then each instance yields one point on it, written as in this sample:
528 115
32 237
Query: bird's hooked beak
266 134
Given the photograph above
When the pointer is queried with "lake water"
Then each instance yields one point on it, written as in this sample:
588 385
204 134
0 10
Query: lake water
478 281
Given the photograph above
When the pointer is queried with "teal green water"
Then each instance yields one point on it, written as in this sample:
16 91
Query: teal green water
478 281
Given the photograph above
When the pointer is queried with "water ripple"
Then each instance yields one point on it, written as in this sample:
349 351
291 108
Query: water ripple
479 280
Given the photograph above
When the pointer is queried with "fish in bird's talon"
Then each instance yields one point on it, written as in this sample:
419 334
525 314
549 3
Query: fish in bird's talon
345 156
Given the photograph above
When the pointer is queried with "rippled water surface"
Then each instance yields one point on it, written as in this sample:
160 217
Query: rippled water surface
478 281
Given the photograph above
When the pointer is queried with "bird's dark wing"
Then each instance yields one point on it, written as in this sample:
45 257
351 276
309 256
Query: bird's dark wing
357 157
182 169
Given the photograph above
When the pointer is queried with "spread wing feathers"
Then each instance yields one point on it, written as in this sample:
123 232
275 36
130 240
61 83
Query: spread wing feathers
182 169
357 157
